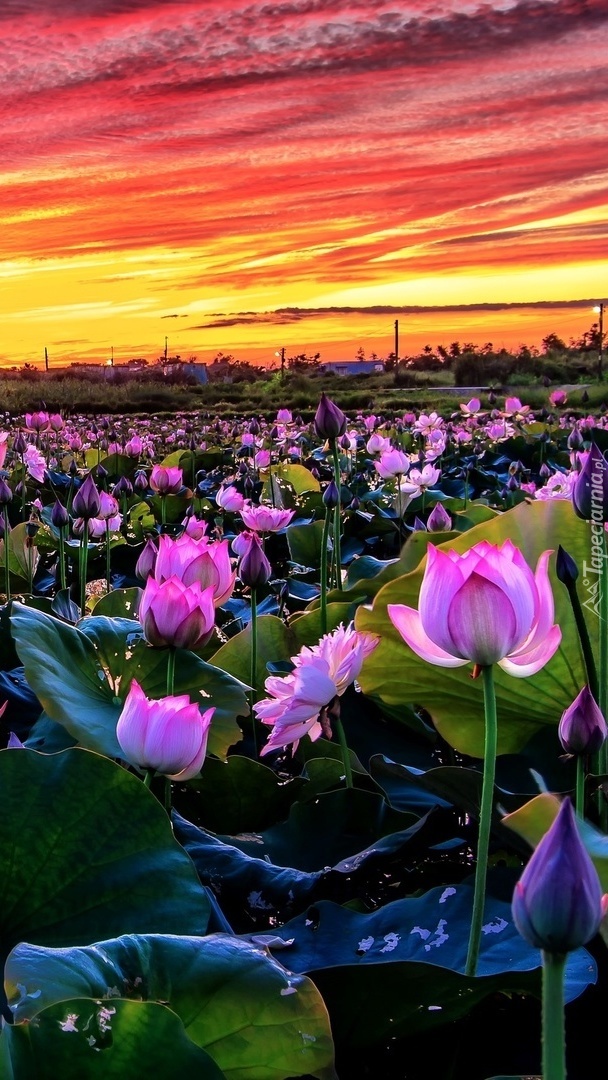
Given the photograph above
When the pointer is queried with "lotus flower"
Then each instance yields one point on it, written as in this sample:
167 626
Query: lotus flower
176 614
168 736
484 606
166 480
322 672
265 518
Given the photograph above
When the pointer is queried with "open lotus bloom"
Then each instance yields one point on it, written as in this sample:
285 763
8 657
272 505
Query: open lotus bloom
168 736
483 606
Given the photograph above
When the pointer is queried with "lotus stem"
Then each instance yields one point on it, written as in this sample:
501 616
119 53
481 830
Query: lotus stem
337 518
485 819
323 582
7 577
554 1042
254 665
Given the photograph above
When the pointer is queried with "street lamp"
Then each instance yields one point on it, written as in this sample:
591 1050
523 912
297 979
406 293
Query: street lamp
599 310
281 353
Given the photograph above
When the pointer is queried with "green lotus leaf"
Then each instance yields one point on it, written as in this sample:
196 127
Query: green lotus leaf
82 1039
256 1020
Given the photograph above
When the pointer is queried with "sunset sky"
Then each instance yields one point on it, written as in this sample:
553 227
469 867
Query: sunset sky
244 175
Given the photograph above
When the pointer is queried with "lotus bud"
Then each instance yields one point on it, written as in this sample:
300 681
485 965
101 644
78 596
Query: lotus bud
439 520
140 482
86 501
575 440
590 491
147 560
331 495
582 728
123 486
254 568
418 525
20 443
558 905
168 736
59 515
6 494
565 567
330 421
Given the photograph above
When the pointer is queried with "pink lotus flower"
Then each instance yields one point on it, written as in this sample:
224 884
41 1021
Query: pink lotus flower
322 672
3 447
176 614
392 463
168 736
265 518
35 463
230 499
195 527
284 416
377 444
166 480
419 480
37 421
196 561
484 606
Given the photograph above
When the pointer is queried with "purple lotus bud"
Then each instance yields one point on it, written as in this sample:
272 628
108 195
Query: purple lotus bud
331 495
147 560
59 515
565 567
274 432
315 472
73 468
243 468
140 482
254 568
355 503
575 440
86 500
123 486
590 491
557 904
345 442
439 520
418 525
20 443
330 421
513 484
6 495
582 728
544 472
101 472
254 428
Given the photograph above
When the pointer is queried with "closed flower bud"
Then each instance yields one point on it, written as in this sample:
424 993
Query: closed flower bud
59 515
575 440
86 500
565 567
147 560
330 421
590 491
6 494
140 482
254 568
123 486
582 728
331 495
20 443
439 520
176 614
557 904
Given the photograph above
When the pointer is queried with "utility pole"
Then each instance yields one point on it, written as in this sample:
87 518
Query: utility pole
396 350
282 362
46 358
600 348
166 342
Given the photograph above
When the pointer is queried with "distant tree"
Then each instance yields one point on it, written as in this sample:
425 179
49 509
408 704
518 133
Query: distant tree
304 363
553 344
360 353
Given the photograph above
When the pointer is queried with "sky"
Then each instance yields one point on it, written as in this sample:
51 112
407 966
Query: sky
241 176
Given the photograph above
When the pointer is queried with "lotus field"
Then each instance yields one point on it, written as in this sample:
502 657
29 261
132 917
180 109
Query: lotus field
303 767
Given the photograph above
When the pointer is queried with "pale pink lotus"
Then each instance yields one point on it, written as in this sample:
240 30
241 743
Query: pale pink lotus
168 736
322 672
229 498
393 462
263 519
483 606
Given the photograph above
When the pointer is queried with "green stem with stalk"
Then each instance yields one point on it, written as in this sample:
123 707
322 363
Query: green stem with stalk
553 1025
485 818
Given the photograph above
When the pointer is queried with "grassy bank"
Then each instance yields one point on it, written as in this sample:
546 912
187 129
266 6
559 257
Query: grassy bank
93 396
